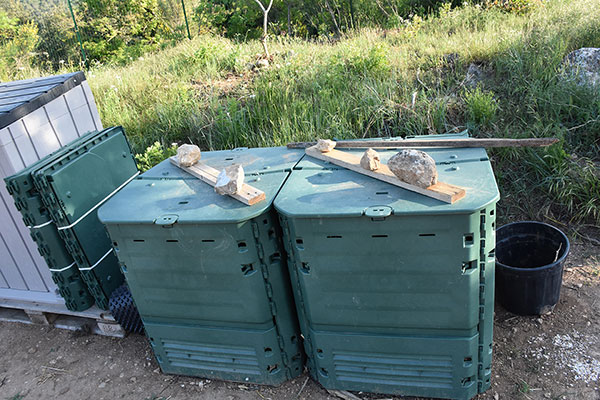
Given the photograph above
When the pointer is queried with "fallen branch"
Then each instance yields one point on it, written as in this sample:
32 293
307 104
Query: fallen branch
467 142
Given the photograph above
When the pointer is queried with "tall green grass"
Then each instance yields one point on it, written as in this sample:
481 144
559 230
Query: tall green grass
406 81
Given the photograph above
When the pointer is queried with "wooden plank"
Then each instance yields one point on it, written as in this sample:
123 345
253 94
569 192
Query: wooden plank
249 195
440 191
467 142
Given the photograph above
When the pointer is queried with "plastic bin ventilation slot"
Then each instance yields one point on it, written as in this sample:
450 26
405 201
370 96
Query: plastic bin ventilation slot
208 273
394 290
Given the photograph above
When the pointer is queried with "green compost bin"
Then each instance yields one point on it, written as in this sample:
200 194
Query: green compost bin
394 290
72 187
44 231
208 273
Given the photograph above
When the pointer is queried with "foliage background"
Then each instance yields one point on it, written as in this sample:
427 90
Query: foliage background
340 69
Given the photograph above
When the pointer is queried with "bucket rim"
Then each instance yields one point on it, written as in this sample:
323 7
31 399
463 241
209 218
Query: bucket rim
559 261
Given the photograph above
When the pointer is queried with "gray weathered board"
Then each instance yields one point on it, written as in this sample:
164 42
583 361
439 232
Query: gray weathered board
37 117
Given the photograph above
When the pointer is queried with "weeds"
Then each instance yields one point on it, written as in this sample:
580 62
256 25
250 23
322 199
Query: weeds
481 106
153 155
405 81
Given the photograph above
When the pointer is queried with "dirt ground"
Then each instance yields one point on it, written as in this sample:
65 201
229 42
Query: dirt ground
555 356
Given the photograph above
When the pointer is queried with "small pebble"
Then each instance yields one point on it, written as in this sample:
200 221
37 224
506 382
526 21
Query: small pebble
102 385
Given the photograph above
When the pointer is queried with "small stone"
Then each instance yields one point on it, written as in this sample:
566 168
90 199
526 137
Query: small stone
496 396
156 371
474 75
539 321
579 285
188 155
325 145
547 395
31 350
415 167
569 269
370 160
121 375
262 63
230 180
133 379
102 385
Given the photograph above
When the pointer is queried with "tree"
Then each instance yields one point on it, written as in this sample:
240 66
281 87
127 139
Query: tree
265 22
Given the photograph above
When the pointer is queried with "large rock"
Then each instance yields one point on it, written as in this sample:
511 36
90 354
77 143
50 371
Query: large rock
188 155
584 65
415 167
230 180
370 160
325 145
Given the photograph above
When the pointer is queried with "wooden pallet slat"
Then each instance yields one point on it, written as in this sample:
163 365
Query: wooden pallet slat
440 191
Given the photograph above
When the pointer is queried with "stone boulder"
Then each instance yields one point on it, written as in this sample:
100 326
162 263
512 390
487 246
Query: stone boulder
415 167
188 155
584 65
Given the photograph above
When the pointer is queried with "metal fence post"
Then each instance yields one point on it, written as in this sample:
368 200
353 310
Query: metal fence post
186 20
77 33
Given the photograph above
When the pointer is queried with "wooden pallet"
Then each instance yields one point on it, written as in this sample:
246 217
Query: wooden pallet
92 320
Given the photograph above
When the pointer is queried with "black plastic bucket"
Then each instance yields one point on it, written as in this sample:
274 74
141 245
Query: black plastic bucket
529 266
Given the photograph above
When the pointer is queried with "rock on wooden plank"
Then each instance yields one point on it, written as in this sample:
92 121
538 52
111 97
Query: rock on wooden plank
325 145
188 155
415 167
370 160
230 180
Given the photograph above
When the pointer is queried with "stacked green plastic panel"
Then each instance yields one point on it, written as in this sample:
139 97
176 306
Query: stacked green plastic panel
394 290
72 187
208 273
44 231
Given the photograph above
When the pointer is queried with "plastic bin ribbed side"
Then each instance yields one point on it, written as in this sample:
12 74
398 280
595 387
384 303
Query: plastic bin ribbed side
44 232
208 274
71 188
394 291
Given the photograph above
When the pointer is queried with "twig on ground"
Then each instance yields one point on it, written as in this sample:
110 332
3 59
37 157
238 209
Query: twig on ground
342 394
55 369
302 388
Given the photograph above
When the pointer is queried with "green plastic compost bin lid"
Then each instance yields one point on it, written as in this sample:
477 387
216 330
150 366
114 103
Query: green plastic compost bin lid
167 191
319 188
254 161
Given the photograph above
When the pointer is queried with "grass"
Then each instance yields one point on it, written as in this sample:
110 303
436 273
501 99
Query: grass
406 81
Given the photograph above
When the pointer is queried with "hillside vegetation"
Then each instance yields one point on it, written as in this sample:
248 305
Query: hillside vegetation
409 80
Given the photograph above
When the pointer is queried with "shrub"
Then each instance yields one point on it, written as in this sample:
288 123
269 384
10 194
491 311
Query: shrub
481 106
153 155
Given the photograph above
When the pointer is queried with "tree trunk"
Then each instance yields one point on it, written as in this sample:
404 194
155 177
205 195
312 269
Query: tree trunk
265 25
289 21
335 24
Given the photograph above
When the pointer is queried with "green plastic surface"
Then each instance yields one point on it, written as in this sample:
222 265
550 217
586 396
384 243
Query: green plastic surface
72 288
36 216
394 290
208 274
72 185
254 160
